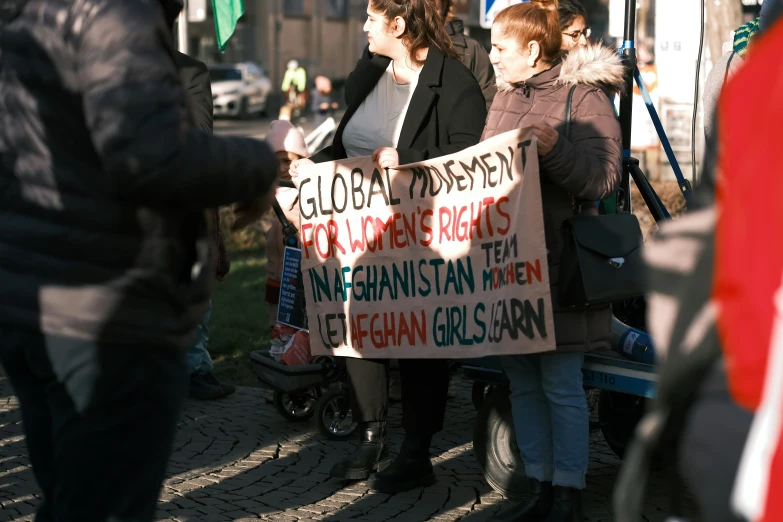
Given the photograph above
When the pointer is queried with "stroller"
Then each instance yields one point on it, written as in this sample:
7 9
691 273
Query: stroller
318 389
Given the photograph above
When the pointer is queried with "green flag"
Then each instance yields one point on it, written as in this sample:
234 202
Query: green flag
226 14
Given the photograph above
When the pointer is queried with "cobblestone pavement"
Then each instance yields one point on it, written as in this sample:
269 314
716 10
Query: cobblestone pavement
238 459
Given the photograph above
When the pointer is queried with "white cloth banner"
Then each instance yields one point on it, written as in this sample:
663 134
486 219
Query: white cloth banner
440 259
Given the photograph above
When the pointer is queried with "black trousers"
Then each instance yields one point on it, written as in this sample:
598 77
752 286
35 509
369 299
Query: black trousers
711 447
99 422
425 387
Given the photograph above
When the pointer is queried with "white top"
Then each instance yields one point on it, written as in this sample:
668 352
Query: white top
378 120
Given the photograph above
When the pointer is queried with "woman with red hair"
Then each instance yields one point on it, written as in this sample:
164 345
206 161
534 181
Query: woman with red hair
578 168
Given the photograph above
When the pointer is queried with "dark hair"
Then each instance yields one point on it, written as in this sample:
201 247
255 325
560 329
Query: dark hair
445 8
771 10
569 10
423 25
535 20
171 10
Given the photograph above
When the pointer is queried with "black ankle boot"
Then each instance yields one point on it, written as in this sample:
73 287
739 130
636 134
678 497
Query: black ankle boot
411 469
534 508
566 505
372 454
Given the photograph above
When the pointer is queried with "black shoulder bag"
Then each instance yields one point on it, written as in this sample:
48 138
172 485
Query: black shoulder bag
602 257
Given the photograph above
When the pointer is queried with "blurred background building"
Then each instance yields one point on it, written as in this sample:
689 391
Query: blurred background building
326 35
326 38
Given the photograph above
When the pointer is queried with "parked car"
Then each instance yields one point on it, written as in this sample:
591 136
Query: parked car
239 90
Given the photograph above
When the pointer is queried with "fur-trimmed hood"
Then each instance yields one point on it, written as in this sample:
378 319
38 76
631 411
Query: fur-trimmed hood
594 65
585 163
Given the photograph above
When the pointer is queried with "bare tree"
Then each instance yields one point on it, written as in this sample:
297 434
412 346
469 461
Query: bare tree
642 19
722 17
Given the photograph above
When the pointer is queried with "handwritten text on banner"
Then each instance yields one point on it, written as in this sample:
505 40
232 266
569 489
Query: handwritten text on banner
440 259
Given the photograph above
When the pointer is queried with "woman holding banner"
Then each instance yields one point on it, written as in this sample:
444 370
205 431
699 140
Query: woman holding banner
548 402
409 99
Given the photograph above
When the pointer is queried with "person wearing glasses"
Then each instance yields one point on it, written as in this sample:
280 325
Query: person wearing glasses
573 24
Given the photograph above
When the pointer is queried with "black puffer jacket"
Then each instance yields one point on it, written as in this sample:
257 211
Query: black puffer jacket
103 181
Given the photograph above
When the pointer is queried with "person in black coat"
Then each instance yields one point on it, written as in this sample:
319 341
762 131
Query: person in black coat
442 118
469 51
194 76
409 99
104 253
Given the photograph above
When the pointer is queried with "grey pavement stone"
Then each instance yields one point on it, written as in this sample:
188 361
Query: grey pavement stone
461 498
239 514
214 518
281 517
249 505
183 513
237 459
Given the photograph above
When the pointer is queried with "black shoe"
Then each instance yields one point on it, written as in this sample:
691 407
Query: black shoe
534 508
566 505
202 390
404 474
228 389
411 469
371 456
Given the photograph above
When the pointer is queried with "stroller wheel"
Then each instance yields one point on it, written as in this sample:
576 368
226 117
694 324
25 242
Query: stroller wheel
333 415
296 406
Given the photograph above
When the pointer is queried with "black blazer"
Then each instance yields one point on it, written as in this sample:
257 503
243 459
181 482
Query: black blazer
446 113
194 76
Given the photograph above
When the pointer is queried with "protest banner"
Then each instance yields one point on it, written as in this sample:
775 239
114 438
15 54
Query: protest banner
440 259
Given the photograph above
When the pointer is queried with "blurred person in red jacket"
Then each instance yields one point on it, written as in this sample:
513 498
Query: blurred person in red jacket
716 315
749 268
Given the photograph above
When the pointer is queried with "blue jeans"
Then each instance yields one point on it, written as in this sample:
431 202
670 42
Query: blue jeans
199 360
551 420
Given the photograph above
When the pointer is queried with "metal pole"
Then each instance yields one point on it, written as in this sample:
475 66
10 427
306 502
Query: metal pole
182 29
277 29
628 52
629 60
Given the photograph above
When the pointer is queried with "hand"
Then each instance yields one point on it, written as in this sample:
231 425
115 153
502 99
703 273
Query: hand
252 210
547 137
386 157
294 169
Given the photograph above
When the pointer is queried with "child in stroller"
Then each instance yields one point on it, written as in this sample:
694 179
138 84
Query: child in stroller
305 389
289 145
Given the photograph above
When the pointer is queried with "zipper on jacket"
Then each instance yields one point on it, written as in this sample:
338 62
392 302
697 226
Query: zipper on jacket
525 90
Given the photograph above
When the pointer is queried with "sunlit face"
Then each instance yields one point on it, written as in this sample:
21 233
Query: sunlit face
576 34
380 35
511 63
284 160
